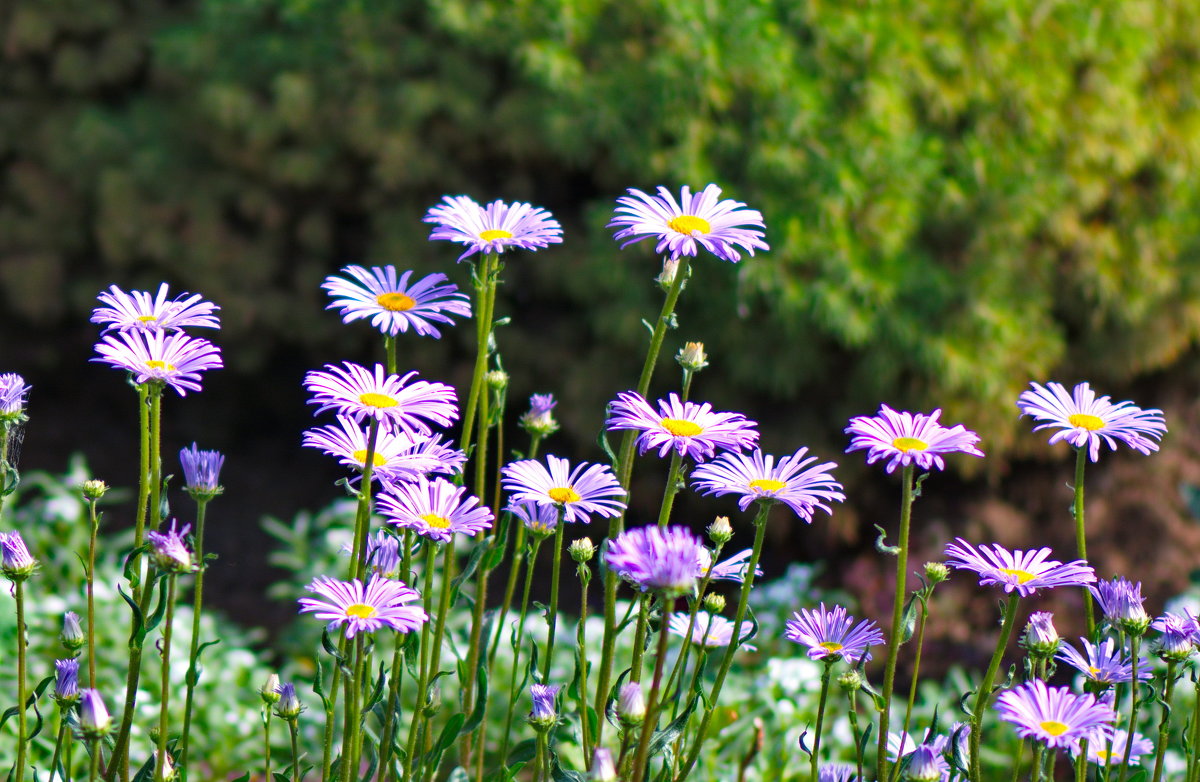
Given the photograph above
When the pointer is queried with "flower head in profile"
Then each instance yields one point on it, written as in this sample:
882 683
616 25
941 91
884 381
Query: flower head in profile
493 228
694 221
709 630
541 520
72 636
831 635
1023 571
288 706
1041 638
1177 641
143 311
690 429
1082 419
381 603
174 359
169 549
545 711
66 680
539 419
755 476
1104 663
360 393
16 562
1107 747
836 772
580 493
398 455
656 559
201 472
14 393
434 508
392 304
94 719
926 764
1053 715
909 438
734 568
383 553
1121 601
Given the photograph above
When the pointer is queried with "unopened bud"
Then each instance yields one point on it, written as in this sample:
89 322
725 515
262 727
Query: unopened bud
692 356
851 680
603 768
289 707
94 489
669 271
496 379
72 633
720 532
936 572
582 550
15 559
714 603
94 720
1041 638
270 690
923 765
631 705
168 772
545 711
539 420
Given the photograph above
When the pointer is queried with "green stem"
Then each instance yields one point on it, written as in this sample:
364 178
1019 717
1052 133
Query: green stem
858 753
1194 743
1135 701
814 755
585 577
94 765
91 595
671 489
293 729
193 671
485 297
1081 536
267 744
639 637
552 615
330 713
985 687
362 517
889 675
387 736
439 632
22 692
423 675
912 688
510 589
652 706
353 716
165 671
516 663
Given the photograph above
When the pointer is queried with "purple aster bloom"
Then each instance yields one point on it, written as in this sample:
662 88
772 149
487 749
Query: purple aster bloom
169 551
1024 571
539 420
288 707
201 471
1121 601
1177 642
538 519
755 476
710 630
909 438
364 609
1107 747
142 311
494 228
1041 637
1103 663
603 767
359 393
830 636
656 559
545 712
836 772
732 569
15 560
383 553
691 429
392 304
1053 715
94 719
926 764
66 680
14 393
588 489
1082 419
399 456
156 356
435 509
694 221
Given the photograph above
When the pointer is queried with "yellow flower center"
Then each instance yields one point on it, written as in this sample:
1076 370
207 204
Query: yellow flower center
767 484
371 399
154 363
1093 670
690 224
681 428
495 233
396 302
1054 727
831 646
360 611
436 521
564 495
1023 576
1104 754
907 444
1085 421
377 459
712 639
147 318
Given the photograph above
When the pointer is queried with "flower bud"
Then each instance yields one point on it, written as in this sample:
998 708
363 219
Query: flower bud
582 550
1041 638
94 489
66 681
936 572
13 395
539 420
669 271
201 472
496 379
15 560
269 692
850 681
923 765
603 769
168 772
72 633
94 720
692 356
631 705
714 603
545 712
289 707
720 532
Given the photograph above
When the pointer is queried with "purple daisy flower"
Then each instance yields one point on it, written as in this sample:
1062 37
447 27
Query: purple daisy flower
538 519
831 634
1121 601
435 509
1083 419
545 711
399 456
201 471
1104 663
1024 571
694 221
539 419
710 630
14 393
755 476
494 228
392 304
1178 641
142 311
909 438
355 391
169 549
1106 747
690 429
66 680
383 553
15 560
656 559
380 604
732 569
173 359
1053 715
588 489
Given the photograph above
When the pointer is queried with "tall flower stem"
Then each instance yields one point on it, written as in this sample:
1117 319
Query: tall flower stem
889 673
1193 761
485 298
852 695
353 717
90 575
1134 702
1081 536
694 610
814 756
423 674
94 764
60 741
387 735
552 616
266 744
985 687
362 518
912 689
22 692
735 640
439 631
639 637
193 671
516 664
585 578
165 671
510 589
652 706
671 489
293 729
624 473
1164 722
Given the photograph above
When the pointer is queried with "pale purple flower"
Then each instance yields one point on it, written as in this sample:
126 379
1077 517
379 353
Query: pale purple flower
909 438
732 569
398 455
586 490
1082 419
709 630
360 393
539 519
66 680
1104 663
434 508
1053 715
14 393
392 305
545 712
201 471
703 220
1023 571
381 603
831 634
1121 601
142 311
1107 747
169 549
655 559
174 359
94 719
494 228
690 429
756 476
15 560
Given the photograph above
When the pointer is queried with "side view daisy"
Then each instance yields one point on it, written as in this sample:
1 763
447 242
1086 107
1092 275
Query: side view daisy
435 509
1104 663
398 455
1107 748
175 360
691 429
494 228
1022 571
734 568
909 438
1083 419
360 393
381 603
655 559
581 492
831 635
14 392
1053 715
709 630
720 226
141 310
392 304
755 476
1121 602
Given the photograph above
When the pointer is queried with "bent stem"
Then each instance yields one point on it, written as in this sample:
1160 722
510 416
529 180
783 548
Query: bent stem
889 675
985 687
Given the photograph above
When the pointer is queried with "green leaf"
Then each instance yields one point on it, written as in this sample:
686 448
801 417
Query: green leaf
522 753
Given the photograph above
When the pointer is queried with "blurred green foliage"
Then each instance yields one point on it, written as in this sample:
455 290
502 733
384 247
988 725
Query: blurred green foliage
959 198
